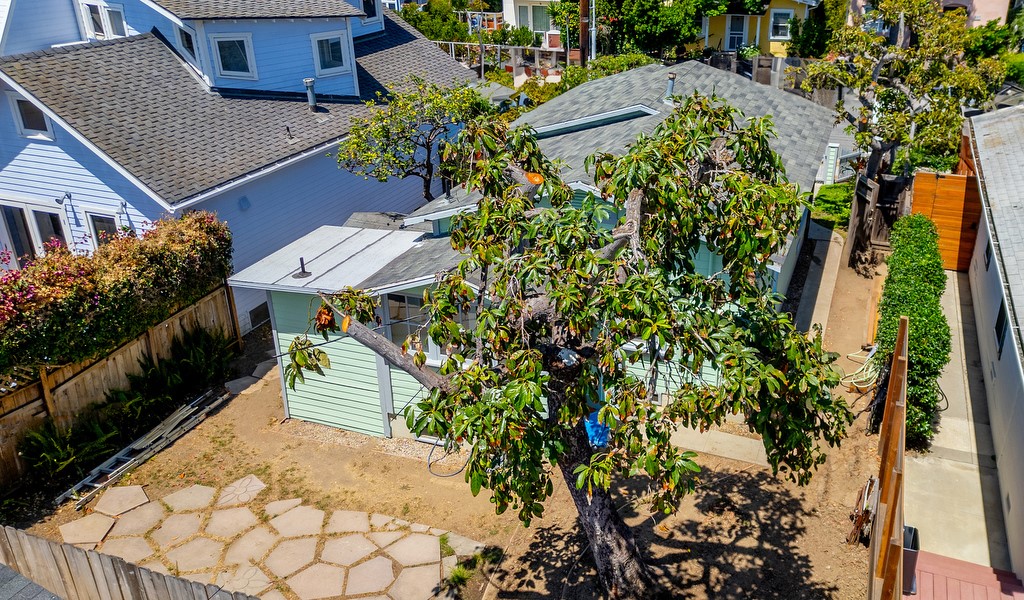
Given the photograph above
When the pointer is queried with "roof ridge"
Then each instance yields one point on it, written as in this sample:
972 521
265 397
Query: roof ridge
72 47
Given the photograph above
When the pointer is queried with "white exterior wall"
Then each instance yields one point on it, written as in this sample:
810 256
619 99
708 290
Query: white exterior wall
1004 387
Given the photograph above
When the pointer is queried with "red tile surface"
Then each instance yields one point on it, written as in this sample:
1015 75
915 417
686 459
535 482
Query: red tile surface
943 578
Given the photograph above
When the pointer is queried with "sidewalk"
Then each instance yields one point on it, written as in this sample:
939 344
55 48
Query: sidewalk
952 493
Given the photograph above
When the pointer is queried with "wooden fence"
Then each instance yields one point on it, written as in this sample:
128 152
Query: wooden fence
61 393
953 203
885 580
76 574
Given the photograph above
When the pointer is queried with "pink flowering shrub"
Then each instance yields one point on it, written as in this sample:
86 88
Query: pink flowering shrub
67 307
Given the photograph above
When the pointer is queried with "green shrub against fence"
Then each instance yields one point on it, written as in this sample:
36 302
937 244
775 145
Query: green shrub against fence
67 307
914 287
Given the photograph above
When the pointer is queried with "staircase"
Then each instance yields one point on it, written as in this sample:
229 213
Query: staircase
942 578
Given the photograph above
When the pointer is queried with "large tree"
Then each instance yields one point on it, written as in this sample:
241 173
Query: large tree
401 136
907 92
573 323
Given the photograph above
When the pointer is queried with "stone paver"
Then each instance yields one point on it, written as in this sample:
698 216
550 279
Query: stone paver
248 580
176 529
419 528
272 595
122 499
318 581
374 575
301 520
281 506
290 556
250 547
384 538
241 491
343 521
237 386
347 550
263 368
139 520
190 498
230 522
416 583
200 553
132 549
379 521
463 546
87 530
417 549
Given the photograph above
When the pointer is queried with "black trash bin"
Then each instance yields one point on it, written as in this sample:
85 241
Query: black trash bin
911 546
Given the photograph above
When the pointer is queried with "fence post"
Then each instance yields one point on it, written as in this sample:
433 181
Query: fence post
46 384
234 316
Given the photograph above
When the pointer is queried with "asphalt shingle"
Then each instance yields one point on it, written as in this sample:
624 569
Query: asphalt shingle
259 9
141 105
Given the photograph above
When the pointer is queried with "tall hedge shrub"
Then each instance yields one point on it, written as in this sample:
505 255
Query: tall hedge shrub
68 307
913 287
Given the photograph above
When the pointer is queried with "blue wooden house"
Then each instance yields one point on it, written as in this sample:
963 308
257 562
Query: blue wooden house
395 257
122 113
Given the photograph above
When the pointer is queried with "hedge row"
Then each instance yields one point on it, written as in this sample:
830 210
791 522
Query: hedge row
68 307
913 288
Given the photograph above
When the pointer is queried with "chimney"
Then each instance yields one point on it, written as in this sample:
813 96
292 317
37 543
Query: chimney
670 89
310 93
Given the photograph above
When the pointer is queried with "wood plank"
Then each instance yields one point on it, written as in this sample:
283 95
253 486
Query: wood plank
81 574
46 571
128 577
6 553
107 590
158 583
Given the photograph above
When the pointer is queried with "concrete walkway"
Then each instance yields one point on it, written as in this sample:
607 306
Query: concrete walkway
279 550
952 493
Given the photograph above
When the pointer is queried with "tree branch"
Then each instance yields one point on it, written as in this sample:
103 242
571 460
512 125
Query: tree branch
390 351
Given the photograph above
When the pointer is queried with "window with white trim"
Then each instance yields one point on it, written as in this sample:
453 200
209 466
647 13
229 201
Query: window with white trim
779 24
372 10
408 317
31 121
104 228
187 43
104 20
330 53
233 55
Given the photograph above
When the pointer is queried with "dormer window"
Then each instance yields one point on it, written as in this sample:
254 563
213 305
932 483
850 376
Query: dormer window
234 56
104 21
187 43
330 53
372 10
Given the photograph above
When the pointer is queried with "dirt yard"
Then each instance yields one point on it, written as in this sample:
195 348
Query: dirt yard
744 534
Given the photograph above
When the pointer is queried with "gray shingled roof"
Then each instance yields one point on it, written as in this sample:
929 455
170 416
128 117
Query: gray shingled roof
142 106
803 127
14 586
259 9
999 140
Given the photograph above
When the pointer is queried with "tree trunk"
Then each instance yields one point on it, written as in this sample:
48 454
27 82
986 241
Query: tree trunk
620 566
874 163
428 195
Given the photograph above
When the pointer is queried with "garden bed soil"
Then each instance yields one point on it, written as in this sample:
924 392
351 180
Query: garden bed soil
743 534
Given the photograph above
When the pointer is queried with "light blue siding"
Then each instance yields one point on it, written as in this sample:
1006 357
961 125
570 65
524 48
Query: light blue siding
405 391
284 55
38 24
141 18
348 396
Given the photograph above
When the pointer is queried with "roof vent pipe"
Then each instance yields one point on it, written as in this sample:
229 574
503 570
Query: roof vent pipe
310 93
670 89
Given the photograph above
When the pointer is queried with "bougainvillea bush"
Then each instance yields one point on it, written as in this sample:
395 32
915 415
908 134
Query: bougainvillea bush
67 307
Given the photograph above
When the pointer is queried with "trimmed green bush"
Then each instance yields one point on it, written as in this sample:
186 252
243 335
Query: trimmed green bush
1014 67
833 203
67 307
913 287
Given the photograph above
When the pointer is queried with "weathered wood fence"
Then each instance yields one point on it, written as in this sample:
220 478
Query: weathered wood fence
885 580
63 392
76 574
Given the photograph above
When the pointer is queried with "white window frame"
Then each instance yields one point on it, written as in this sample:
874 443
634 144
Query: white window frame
322 72
728 32
92 225
32 134
192 58
380 13
771 24
105 8
250 55
29 209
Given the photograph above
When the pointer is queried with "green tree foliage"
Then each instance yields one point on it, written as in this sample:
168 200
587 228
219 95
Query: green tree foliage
436 21
913 288
506 35
1014 67
833 203
565 16
809 37
401 135
654 27
988 41
908 94
67 307
568 313
836 12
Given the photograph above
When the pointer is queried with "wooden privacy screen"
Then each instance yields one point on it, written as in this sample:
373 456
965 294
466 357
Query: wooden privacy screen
63 392
954 204
885 580
76 574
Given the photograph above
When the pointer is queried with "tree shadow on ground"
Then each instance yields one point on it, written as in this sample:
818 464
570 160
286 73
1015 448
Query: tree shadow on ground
738 536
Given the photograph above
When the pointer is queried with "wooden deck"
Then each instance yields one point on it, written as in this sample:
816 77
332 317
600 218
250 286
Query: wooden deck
942 578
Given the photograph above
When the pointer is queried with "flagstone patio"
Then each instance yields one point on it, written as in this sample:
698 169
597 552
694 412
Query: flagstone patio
281 550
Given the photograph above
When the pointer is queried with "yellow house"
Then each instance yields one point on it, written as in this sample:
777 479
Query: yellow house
769 30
